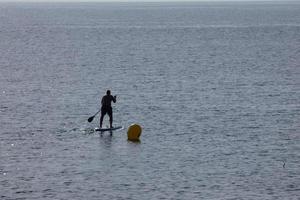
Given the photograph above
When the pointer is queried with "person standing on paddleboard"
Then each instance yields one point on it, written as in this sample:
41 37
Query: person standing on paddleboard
106 107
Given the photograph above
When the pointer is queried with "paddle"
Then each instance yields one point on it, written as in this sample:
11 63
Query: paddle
90 119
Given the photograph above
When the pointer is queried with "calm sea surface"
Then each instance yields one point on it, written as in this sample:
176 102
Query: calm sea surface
216 88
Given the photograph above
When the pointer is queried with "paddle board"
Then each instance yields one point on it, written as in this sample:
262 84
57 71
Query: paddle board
109 129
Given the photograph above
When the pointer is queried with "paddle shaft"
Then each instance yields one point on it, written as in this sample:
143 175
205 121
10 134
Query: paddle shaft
96 113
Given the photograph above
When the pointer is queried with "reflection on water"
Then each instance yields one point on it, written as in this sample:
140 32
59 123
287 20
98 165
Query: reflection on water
106 139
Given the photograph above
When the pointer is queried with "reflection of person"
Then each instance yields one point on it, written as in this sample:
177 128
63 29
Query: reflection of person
106 107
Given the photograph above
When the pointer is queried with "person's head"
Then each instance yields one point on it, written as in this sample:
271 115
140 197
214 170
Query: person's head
108 92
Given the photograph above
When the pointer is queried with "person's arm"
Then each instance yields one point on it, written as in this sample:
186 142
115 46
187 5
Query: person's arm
115 98
102 100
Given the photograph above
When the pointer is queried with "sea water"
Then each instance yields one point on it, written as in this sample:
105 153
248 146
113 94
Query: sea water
215 87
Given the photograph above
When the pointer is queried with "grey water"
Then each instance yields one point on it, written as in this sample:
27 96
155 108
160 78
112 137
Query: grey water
215 87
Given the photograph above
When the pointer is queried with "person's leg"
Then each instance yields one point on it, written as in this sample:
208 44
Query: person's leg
103 112
110 117
101 120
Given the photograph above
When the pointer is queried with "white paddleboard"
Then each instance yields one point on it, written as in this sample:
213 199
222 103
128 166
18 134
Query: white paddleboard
109 129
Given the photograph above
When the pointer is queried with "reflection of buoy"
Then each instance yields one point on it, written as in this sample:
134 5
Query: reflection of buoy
134 132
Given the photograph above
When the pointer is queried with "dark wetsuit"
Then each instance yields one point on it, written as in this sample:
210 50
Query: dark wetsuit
106 108
106 104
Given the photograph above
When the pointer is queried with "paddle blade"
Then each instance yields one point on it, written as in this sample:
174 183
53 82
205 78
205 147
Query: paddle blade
91 119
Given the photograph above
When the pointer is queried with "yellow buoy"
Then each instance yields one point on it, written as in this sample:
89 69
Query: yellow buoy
134 132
